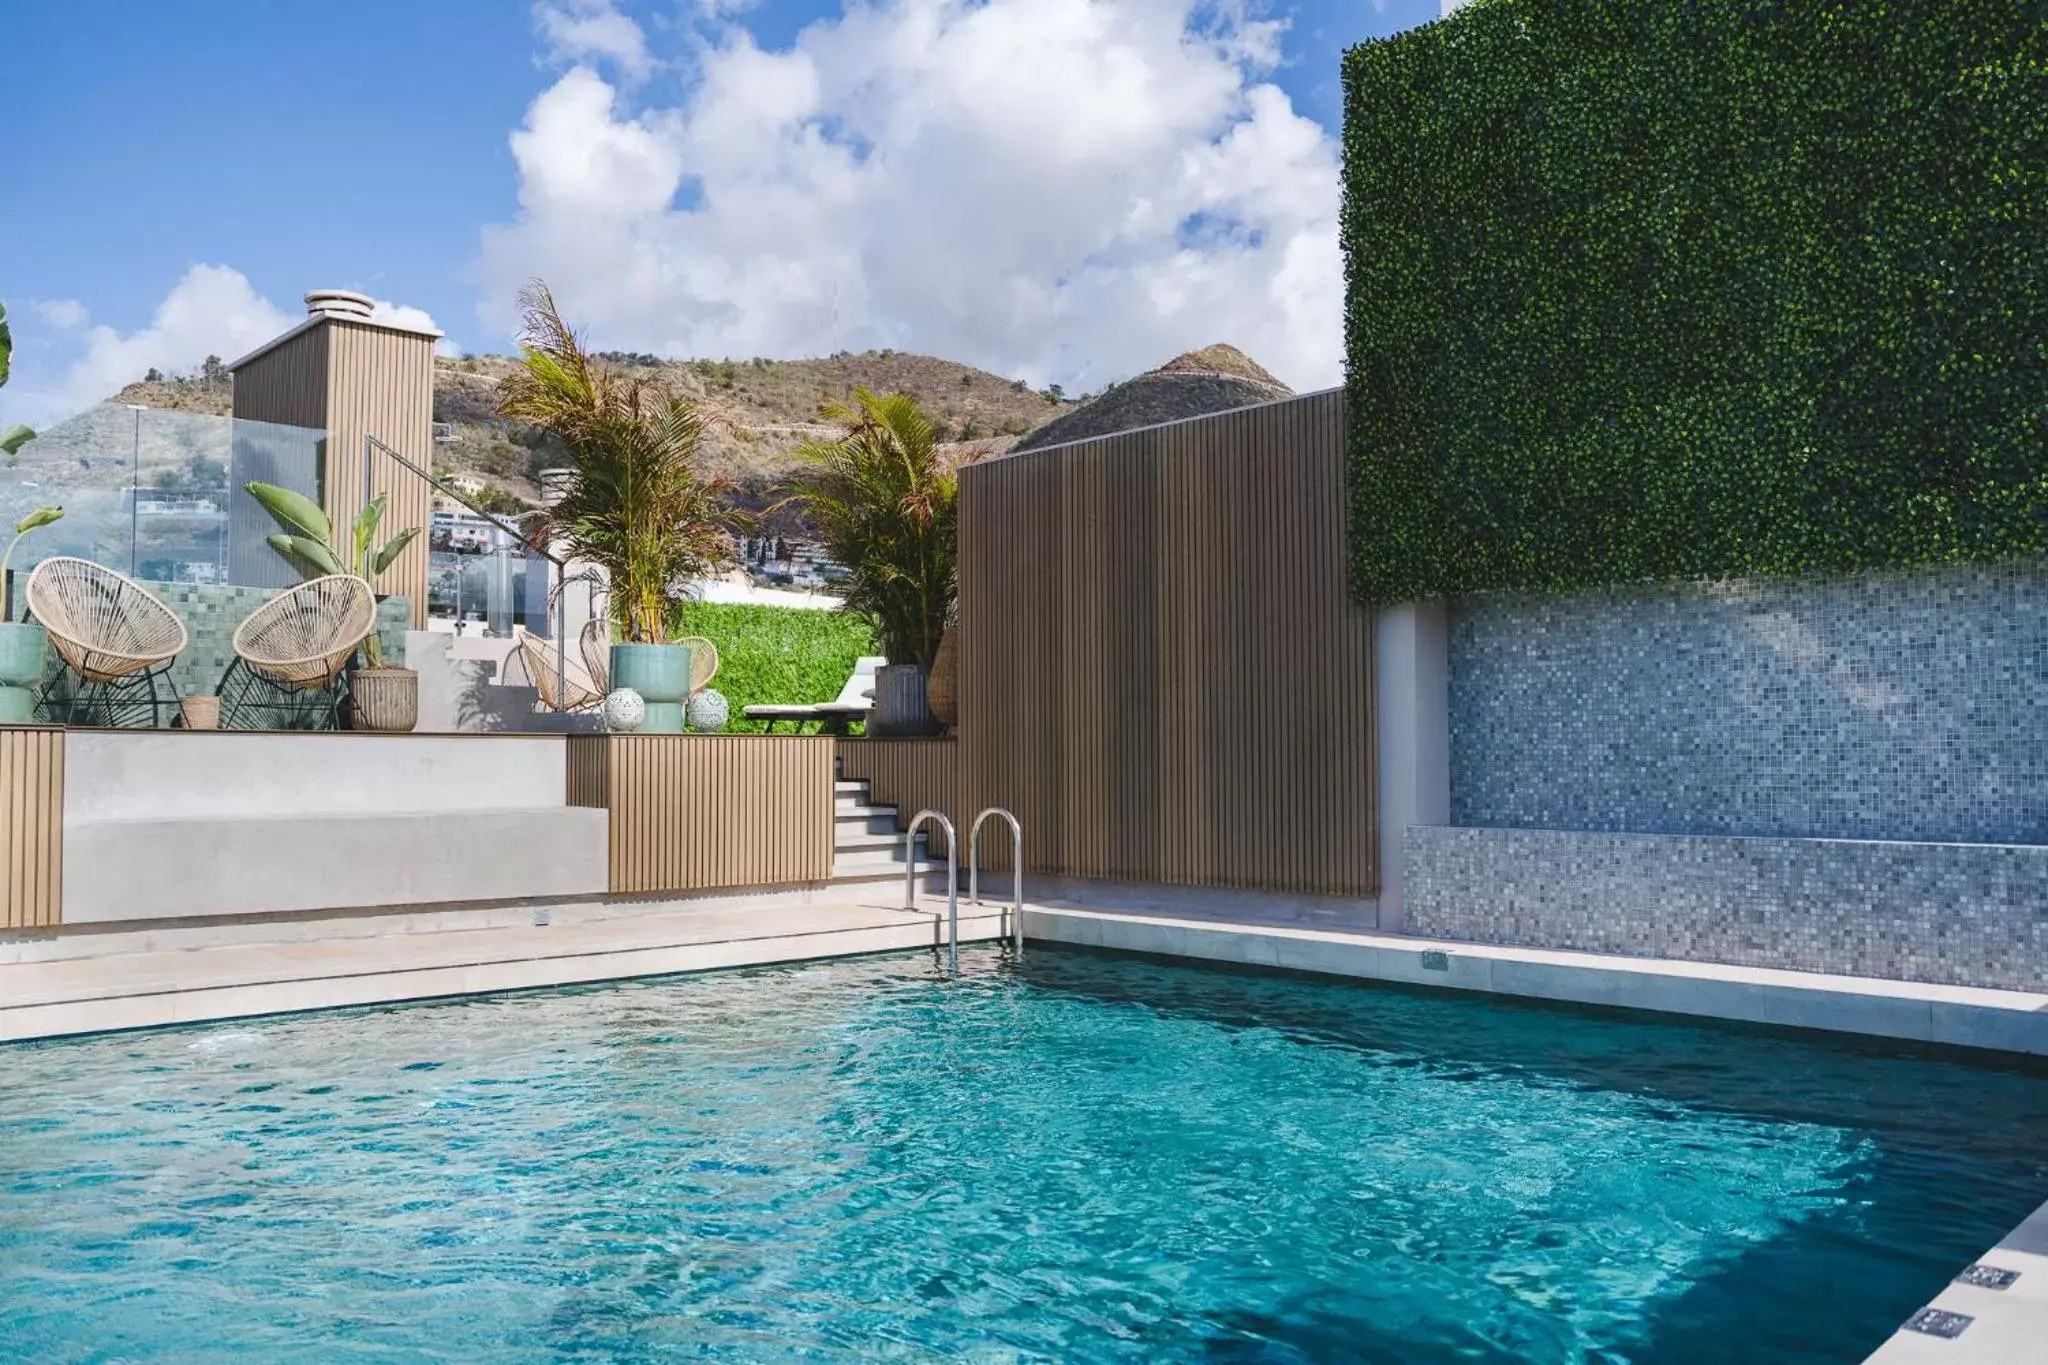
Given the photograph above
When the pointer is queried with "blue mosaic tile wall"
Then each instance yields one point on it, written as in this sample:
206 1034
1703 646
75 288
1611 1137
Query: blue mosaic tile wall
211 612
1953 914
1889 706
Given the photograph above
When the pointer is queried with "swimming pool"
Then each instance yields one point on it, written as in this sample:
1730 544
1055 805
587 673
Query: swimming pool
1088 1158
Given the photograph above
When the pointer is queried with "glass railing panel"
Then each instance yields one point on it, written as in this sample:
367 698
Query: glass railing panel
159 495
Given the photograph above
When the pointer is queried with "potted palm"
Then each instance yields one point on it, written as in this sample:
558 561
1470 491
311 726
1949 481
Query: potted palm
381 697
631 502
885 504
23 644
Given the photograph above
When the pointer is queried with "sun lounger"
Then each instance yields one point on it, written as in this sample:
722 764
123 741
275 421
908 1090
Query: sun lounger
833 717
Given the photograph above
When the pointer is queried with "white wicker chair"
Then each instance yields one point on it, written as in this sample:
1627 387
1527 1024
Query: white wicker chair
112 633
293 648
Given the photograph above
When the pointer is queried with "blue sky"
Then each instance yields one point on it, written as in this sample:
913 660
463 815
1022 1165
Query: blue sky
371 145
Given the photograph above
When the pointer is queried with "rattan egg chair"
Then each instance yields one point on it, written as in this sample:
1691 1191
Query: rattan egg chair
291 652
703 662
562 683
116 640
595 645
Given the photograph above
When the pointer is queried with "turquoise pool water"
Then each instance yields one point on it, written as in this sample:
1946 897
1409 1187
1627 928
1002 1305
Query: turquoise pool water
1088 1159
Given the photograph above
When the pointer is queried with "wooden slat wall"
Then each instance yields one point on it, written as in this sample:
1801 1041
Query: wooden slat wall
910 774
355 379
705 812
287 383
381 383
1161 669
31 828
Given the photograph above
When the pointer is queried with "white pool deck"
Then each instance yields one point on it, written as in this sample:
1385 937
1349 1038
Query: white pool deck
182 973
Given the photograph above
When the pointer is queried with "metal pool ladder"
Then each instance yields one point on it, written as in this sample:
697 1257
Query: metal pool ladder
952 879
1016 871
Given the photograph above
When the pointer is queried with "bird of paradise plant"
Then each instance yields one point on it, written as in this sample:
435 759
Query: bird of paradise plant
307 542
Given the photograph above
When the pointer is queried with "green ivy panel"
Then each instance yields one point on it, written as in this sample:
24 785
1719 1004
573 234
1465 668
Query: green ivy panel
1641 290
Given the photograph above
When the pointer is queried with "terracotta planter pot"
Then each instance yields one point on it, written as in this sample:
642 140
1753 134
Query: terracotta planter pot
902 707
199 713
941 687
386 700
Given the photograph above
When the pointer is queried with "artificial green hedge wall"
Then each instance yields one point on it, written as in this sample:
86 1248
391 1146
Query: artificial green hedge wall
773 655
1646 289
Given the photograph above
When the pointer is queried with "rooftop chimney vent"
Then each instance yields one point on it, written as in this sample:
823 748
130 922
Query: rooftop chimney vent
339 303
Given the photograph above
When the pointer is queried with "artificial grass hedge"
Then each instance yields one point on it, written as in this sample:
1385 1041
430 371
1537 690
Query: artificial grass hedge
1646 290
770 655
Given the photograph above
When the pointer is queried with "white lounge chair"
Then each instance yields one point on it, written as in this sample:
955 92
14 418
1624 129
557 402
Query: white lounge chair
853 703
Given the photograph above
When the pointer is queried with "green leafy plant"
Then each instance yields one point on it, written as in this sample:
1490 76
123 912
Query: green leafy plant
635 505
308 543
41 517
1641 291
16 436
886 506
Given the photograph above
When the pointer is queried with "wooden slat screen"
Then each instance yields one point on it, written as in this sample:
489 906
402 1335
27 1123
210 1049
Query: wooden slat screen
31 828
382 384
706 812
1161 669
910 774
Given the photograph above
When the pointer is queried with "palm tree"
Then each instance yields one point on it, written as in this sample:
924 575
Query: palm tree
636 506
886 507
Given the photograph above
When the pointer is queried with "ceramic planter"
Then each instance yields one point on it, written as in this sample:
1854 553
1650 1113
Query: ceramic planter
23 657
902 708
661 675
386 700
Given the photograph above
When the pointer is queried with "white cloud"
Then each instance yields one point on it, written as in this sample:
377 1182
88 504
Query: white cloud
419 319
66 315
580 31
213 310
1069 190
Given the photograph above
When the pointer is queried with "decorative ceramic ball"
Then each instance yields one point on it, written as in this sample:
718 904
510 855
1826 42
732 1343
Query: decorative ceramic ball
709 711
624 710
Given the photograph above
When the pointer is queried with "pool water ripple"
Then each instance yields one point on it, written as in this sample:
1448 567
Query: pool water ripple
1089 1158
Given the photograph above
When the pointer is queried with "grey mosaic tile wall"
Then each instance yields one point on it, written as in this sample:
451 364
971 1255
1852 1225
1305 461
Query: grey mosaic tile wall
211 612
1889 706
1954 914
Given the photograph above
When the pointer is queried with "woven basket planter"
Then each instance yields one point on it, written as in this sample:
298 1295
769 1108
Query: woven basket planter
384 699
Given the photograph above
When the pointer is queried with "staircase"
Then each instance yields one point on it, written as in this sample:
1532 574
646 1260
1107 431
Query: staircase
868 842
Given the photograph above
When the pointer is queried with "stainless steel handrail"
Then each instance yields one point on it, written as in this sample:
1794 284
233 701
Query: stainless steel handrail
1016 876
952 879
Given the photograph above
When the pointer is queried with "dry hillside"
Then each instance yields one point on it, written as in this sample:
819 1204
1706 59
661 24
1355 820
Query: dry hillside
754 410
1212 379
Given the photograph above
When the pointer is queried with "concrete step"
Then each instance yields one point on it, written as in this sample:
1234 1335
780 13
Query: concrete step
930 883
850 788
847 804
882 862
848 840
873 819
